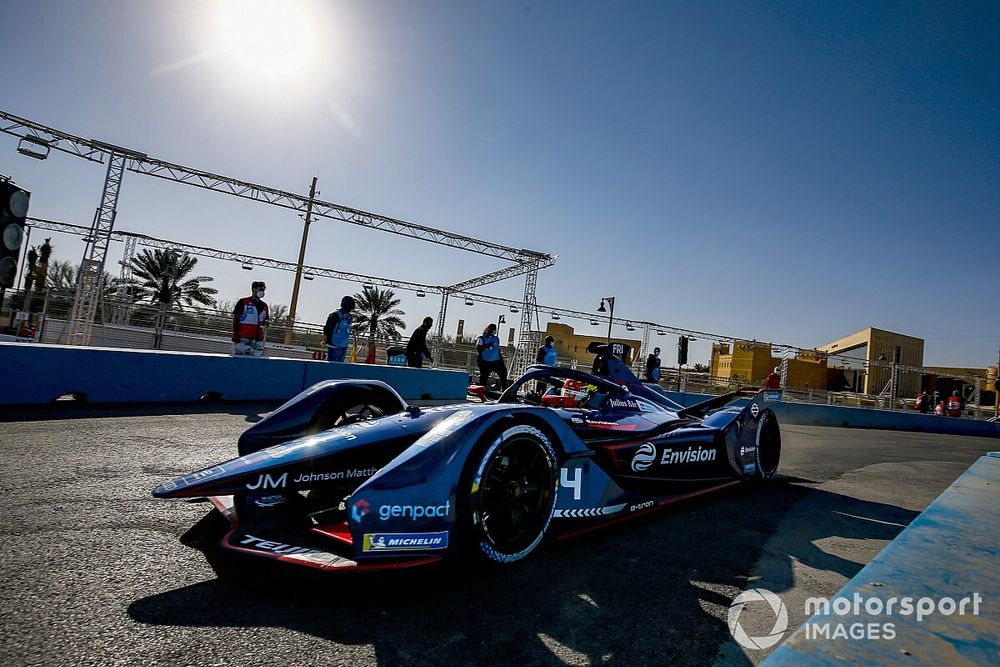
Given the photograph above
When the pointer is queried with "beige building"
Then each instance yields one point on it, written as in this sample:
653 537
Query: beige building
871 353
571 345
751 362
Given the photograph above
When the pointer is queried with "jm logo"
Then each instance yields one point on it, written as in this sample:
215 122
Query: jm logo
268 482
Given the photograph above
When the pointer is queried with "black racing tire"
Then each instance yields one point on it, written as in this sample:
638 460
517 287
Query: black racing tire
510 493
768 447
351 405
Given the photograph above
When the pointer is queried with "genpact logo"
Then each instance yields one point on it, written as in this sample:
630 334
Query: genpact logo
414 512
643 457
359 509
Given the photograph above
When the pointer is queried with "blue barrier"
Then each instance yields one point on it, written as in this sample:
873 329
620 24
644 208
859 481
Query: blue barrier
812 414
952 550
37 374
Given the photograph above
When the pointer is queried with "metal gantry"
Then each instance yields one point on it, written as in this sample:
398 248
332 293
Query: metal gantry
41 136
95 252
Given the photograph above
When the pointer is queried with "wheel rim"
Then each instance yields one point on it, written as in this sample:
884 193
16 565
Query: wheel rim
515 498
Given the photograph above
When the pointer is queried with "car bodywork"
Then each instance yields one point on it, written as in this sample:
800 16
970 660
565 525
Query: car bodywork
406 486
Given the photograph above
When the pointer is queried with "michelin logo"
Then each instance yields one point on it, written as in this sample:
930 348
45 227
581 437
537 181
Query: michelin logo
404 541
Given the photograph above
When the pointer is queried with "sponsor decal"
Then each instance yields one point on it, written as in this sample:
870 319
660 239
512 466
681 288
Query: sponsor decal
414 512
772 395
749 468
273 547
644 457
747 449
597 423
266 481
638 507
357 473
698 454
269 501
404 541
207 473
360 508
588 512
754 410
626 403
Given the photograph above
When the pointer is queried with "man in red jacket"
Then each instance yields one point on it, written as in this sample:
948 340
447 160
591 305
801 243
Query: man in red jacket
954 405
249 322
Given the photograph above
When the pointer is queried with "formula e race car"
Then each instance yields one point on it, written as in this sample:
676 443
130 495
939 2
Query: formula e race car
346 475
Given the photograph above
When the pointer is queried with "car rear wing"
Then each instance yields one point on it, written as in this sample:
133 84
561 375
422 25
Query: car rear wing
702 409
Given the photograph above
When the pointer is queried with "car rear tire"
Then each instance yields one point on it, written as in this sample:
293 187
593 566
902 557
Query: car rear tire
512 493
768 446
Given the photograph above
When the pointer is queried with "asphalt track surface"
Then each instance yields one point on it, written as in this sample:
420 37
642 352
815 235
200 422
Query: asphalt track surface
95 571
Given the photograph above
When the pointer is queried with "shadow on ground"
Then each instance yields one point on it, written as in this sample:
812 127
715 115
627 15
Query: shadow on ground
654 591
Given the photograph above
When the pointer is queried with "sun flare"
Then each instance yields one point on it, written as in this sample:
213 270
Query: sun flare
272 37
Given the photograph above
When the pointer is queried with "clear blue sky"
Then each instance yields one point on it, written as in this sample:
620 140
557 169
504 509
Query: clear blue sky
782 171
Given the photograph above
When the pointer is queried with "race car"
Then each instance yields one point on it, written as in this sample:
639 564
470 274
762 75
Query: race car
347 476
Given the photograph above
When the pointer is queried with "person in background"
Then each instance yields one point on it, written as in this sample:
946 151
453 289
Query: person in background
249 322
416 347
337 330
923 402
547 353
488 356
954 405
653 366
773 380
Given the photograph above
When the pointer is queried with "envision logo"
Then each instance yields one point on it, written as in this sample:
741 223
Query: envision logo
777 630
643 457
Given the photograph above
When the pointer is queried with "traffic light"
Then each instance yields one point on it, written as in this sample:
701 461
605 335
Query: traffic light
13 210
682 350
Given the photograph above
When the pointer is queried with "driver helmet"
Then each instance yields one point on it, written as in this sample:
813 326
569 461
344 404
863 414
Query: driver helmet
576 393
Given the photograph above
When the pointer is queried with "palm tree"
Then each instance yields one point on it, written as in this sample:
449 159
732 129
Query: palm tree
62 274
159 275
375 314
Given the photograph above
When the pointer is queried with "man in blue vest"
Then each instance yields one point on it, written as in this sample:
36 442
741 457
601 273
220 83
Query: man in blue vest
337 331
489 358
547 353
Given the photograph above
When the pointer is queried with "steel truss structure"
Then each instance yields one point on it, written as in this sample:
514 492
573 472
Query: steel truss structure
527 307
37 140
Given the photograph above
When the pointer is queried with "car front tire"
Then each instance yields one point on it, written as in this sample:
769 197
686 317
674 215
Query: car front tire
512 493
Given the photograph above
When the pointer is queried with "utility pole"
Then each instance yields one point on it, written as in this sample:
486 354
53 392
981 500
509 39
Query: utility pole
298 269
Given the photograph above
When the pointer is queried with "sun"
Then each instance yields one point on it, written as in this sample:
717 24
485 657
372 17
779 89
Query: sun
272 37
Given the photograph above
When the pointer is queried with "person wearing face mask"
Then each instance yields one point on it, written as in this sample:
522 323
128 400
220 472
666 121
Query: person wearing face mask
489 358
249 322
337 330
653 366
